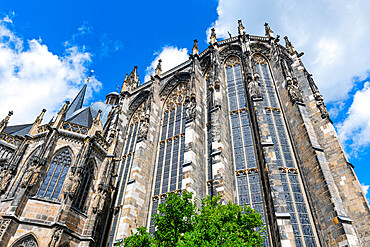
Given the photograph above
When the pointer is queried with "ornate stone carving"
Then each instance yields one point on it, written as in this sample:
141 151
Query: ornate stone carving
195 47
321 105
4 226
76 181
268 32
158 69
241 29
176 97
191 109
96 201
213 36
8 175
254 89
55 238
289 45
293 90
144 128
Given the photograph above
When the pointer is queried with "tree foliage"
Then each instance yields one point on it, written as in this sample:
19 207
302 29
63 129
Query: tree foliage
180 223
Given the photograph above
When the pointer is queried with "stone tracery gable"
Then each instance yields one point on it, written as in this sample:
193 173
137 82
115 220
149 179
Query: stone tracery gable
138 114
231 61
173 82
259 59
176 97
233 51
137 101
259 47
26 241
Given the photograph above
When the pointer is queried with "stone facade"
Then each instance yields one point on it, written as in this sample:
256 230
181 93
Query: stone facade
243 119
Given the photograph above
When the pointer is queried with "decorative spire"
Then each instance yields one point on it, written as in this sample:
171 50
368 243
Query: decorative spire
37 122
158 69
61 115
131 81
213 36
195 47
5 121
241 29
268 32
77 102
289 45
96 125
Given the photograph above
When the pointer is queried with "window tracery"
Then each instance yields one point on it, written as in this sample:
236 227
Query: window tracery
28 241
56 174
85 186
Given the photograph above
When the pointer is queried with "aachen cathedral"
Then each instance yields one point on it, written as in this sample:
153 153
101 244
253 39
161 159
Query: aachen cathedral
243 119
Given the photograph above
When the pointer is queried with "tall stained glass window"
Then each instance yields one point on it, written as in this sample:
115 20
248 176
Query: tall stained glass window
125 166
168 173
56 174
292 186
247 176
85 186
28 241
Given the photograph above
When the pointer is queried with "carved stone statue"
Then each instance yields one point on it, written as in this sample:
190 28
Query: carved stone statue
293 90
321 105
68 185
289 46
268 32
28 174
5 181
241 29
55 238
254 89
213 36
76 181
35 175
144 128
191 109
158 69
96 201
102 201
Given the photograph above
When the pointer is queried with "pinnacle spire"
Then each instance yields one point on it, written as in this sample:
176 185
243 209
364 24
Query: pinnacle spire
195 47
158 69
213 36
5 121
131 81
241 29
77 102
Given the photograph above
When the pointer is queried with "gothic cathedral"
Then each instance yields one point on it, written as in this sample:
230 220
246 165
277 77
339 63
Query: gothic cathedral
243 118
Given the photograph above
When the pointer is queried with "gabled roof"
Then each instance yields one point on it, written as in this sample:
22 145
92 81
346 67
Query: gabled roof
20 130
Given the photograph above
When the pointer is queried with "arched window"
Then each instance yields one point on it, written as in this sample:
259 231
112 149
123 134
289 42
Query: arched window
28 241
56 174
125 166
171 148
248 179
84 187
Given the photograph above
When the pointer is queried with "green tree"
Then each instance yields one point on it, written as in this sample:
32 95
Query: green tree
180 223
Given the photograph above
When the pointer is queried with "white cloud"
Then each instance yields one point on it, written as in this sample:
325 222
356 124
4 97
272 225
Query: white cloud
333 34
365 189
34 78
170 56
356 127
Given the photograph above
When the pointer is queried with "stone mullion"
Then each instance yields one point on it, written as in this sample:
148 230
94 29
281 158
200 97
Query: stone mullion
284 232
119 203
172 149
282 154
179 165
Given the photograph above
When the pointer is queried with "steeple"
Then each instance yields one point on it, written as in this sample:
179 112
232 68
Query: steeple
77 102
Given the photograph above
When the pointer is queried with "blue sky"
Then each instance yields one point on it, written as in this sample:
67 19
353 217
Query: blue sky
47 49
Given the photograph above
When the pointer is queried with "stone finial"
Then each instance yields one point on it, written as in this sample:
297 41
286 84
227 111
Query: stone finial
288 45
59 119
5 121
158 69
37 122
268 32
213 36
195 47
241 29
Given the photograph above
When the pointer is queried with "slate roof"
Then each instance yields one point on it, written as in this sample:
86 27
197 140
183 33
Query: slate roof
20 130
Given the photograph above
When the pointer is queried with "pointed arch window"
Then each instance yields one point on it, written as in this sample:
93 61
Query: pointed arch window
56 174
28 241
83 191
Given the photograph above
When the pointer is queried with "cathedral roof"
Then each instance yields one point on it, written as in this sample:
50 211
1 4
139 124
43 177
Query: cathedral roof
77 102
20 130
85 116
